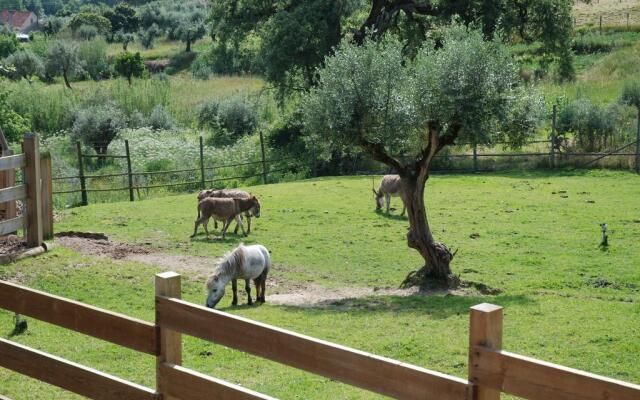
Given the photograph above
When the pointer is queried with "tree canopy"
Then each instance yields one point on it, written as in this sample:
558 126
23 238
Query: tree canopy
403 111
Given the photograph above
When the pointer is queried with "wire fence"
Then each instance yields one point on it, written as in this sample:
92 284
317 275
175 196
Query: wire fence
607 13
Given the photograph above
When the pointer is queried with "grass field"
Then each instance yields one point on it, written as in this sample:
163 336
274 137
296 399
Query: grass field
531 236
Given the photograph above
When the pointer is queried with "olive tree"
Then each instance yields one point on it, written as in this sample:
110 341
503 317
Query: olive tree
26 64
403 112
63 58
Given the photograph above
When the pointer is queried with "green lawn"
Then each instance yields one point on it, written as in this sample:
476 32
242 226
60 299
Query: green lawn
566 300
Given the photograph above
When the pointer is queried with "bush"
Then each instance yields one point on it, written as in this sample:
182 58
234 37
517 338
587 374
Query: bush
129 65
200 68
96 125
26 64
87 32
160 119
593 126
8 45
12 124
229 120
93 55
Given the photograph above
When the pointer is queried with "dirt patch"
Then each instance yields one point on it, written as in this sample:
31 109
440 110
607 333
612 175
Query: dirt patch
12 245
280 290
99 245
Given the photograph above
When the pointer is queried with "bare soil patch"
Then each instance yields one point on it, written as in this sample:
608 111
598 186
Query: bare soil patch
280 291
12 244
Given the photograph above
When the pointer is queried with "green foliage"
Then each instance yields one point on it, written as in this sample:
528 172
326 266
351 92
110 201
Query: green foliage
12 124
593 126
8 44
122 17
97 123
87 32
52 25
125 38
149 35
160 119
89 18
190 27
93 55
129 65
26 64
229 119
372 97
631 94
63 58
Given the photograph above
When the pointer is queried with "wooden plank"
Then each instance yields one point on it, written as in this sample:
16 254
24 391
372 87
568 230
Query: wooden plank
13 162
31 148
538 380
13 193
47 196
11 225
357 368
68 375
116 328
185 384
170 341
485 330
9 209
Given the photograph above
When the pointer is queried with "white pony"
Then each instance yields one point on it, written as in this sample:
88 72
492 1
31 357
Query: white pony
245 262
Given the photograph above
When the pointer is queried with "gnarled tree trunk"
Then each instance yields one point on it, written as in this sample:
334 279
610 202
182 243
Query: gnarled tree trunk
437 256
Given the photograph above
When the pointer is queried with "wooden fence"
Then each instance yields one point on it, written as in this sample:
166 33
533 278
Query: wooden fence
37 217
491 370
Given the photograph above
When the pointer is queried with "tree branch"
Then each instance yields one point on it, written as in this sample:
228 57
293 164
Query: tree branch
377 151
384 11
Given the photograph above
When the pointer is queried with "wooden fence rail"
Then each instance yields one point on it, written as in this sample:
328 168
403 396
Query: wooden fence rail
491 370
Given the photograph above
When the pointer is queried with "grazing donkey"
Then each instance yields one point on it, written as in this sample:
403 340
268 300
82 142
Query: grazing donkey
225 210
230 194
391 185
245 262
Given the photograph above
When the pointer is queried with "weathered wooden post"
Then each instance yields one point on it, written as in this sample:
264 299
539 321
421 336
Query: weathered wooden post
83 183
638 145
168 284
264 160
47 196
485 331
31 149
8 179
475 157
202 178
129 170
552 154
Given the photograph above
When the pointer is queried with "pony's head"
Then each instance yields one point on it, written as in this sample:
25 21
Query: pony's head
255 210
215 290
379 199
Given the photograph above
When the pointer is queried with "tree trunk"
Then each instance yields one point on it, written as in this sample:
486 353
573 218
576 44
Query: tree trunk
188 46
101 150
129 79
66 80
437 256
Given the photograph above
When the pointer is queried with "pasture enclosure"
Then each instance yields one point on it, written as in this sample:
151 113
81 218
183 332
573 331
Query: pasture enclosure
36 218
491 370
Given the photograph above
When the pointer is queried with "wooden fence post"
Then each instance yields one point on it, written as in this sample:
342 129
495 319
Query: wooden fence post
638 145
83 183
129 170
485 330
47 196
168 284
202 179
31 149
264 160
552 154
475 157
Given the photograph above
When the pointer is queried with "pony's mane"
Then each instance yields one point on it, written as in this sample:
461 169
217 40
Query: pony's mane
230 262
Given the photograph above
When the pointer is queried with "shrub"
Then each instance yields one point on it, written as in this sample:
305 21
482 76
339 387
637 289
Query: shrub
593 126
200 68
129 65
12 124
8 45
160 119
228 120
87 32
26 64
96 125
93 55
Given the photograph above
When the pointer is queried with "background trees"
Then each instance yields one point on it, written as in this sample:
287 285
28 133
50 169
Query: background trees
26 64
403 111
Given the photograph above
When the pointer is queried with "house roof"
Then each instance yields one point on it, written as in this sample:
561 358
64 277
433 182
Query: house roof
14 18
